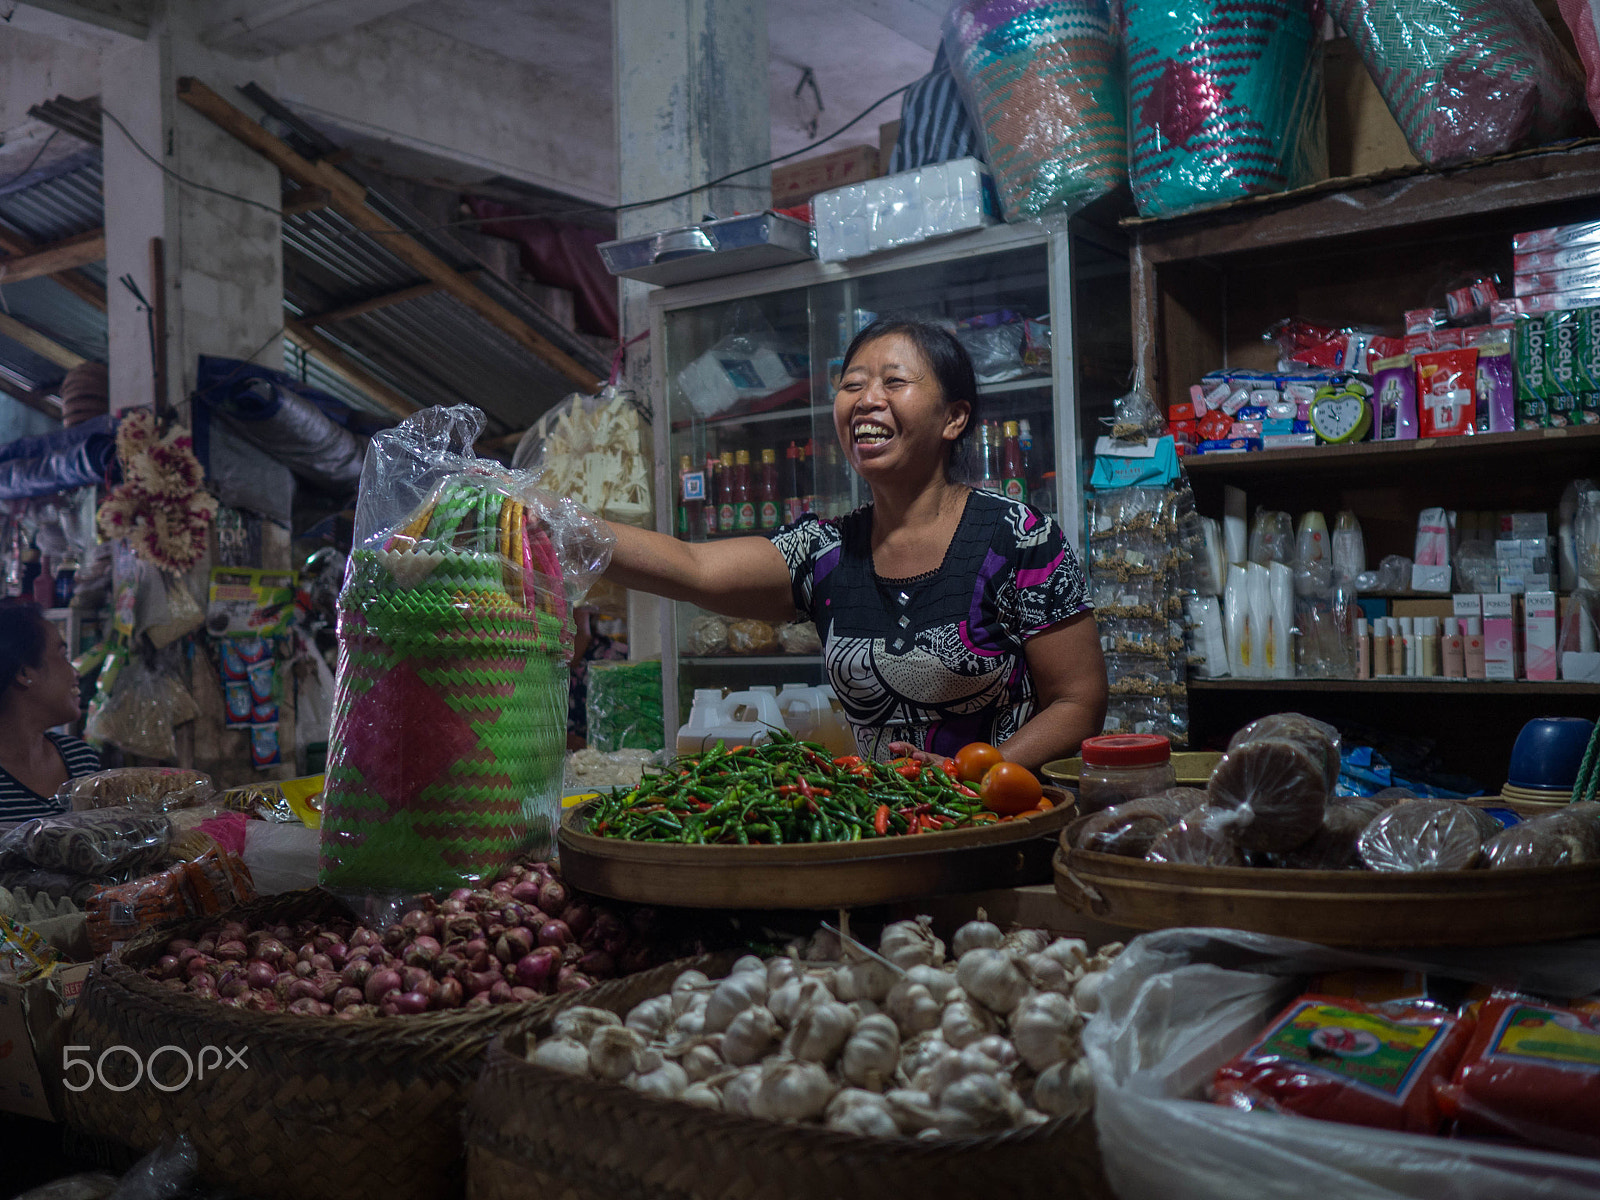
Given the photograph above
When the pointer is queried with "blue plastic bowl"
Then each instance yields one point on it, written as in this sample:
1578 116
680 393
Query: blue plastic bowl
1549 751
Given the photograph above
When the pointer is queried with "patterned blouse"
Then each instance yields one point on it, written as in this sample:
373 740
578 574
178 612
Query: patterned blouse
935 660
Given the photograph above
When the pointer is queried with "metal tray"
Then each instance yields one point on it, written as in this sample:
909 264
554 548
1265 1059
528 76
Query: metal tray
712 248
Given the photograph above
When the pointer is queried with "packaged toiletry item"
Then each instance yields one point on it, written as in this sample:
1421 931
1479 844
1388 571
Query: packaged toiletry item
1280 640
1539 635
1428 648
1473 648
1446 391
1260 600
1395 400
1236 616
1557 237
1311 539
1349 547
1528 346
1453 650
1408 637
1499 636
1363 650
1496 407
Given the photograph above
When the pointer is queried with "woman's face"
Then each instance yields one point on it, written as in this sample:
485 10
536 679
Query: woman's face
890 413
51 688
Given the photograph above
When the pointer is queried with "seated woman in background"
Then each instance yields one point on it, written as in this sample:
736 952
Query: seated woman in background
38 690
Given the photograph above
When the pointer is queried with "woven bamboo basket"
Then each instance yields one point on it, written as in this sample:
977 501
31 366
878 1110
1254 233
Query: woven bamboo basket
326 1109
532 1131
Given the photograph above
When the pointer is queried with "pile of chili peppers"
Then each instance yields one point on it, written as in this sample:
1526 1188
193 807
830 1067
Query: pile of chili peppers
784 792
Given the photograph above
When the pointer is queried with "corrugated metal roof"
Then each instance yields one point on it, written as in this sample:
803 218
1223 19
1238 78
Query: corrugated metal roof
59 207
66 319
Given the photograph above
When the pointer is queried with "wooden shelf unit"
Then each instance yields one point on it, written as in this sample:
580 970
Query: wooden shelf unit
1207 287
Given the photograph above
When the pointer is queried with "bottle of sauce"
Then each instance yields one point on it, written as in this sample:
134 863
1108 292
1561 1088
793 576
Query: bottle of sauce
713 473
767 490
744 501
806 473
725 504
1013 474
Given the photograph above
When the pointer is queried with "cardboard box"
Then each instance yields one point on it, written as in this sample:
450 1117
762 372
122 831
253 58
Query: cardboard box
797 182
1466 604
889 134
1500 636
1429 579
1363 136
1539 634
33 1021
1423 608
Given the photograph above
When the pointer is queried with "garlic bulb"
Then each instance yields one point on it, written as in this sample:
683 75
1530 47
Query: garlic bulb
667 1081
867 979
562 1054
795 996
913 1007
951 1066
748 963
824 946
780 971
940 981
1086 992
580 1021
702 1061
853 1098
992 978
998 1050
750 1036
1045 1029
911 944
732 996
1025 941
615 1053
702 1095
913 1111
687 1027
1069 952
919 1052
871 1053
820 1031
976 935
978 1104
865 1121
740 1091
964 1022
1105 956
792 1091
652 1017
1065 1089
1048 975
690 982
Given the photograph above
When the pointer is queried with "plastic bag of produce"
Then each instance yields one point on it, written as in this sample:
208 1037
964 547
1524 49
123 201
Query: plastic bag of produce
144 789
455 627
1224 101
1042 82
104 841
594 449
140 713
1180 1003
1466 78
624 706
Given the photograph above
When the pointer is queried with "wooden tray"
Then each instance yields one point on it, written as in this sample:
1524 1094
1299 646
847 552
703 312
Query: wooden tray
1193 768
1337 908
816 876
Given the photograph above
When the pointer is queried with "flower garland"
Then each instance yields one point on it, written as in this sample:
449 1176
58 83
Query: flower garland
161 507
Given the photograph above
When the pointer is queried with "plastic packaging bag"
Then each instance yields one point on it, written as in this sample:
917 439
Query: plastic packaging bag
1222 102
281 857
1424 835
139 714
1466 78
143 789
624 706
1042 81
1179 1003
103 841
455 626
1276 778
595 450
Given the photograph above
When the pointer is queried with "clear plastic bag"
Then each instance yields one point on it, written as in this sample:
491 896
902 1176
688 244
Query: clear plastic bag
282 857
1466 78
140 712
1179 1003
594 449
143 789
455 627
624 706
1222 102
1042 81
1276 779
1424 835
103 841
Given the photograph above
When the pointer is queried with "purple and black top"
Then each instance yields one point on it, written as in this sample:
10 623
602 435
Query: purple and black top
935 660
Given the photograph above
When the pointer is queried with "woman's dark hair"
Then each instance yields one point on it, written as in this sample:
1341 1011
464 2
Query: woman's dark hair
23 631
946 357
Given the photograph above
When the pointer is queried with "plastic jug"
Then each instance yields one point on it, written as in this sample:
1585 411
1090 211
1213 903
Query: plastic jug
803 708
742 719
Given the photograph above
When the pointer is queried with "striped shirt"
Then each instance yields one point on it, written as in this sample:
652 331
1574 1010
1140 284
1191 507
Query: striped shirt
19 803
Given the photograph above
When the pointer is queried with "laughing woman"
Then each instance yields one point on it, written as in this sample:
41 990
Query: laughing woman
947 615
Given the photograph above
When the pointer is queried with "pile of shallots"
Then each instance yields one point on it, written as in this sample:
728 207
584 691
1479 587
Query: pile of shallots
901 1043
523 938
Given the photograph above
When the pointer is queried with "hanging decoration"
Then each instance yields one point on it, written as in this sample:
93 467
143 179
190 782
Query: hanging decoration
161 507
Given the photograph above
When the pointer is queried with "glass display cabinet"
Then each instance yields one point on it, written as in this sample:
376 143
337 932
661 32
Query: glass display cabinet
745 368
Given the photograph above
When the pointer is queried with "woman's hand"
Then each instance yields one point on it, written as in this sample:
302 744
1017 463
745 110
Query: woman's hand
907 750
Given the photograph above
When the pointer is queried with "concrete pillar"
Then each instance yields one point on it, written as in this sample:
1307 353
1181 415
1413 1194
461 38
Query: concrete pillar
691 79
223 258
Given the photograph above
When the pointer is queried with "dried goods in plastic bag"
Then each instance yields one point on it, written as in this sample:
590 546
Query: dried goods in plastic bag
752 637
706 635
1224 101
1338 1059
1554 839
1423 835
101 841
1042 81
1466 78
139 715
24 954
143 789
1276 791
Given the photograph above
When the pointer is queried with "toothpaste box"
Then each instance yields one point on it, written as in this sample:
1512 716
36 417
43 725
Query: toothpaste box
1576 279
1528 349
1566 258
1556 238
1545 302
1539 634
1561 345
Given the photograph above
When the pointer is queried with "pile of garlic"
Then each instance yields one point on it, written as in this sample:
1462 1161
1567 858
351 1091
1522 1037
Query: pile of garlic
901 1043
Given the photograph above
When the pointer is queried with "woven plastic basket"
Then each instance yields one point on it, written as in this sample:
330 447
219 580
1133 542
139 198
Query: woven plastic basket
327 1108
532 1131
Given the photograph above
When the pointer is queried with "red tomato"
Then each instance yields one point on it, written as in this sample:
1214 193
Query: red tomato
974 760
1010 788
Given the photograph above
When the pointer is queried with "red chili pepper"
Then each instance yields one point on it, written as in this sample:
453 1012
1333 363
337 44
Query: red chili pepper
908 768
812 805
880 820
785 789
948 766
848 760
602 827
700 805
966 791
916 824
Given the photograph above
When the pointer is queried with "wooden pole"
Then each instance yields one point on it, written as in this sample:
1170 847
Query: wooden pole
64 255
348 198
371 304
41 344
78 284
158 323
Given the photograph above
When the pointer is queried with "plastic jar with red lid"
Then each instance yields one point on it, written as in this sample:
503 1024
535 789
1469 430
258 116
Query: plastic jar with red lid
1123 766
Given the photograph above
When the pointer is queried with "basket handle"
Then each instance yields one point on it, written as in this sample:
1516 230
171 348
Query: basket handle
1088 898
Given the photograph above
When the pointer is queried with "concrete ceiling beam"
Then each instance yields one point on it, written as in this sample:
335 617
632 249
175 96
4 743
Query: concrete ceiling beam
253 29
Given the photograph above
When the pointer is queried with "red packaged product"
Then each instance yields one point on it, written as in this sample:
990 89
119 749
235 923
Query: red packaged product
1213 425
1532 1070
1447 383
1340 1059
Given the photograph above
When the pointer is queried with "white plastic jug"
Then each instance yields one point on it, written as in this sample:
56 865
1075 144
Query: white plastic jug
741 719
